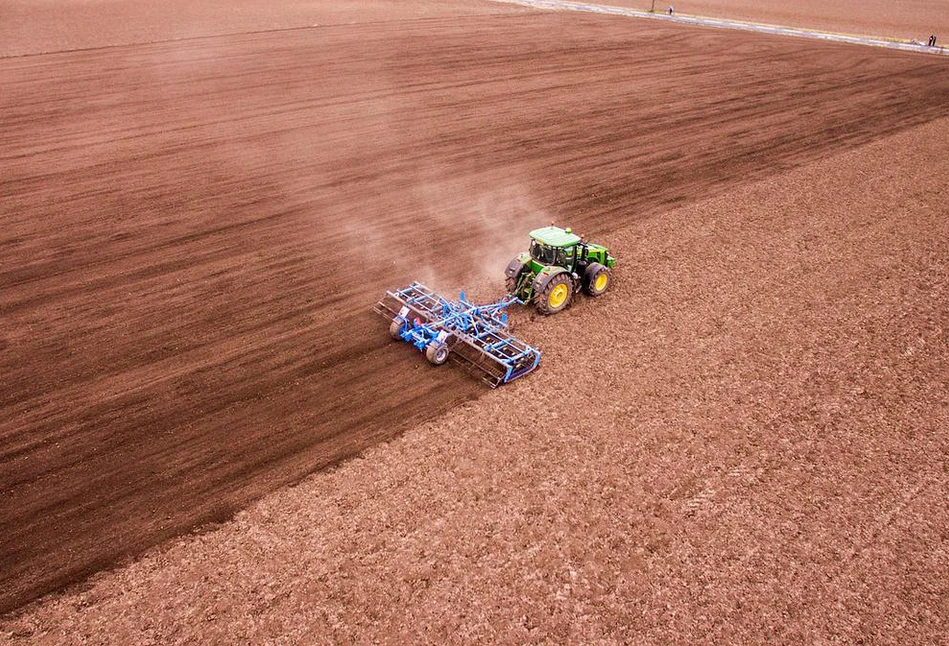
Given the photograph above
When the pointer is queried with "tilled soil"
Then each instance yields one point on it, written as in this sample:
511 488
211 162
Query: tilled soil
745 441
910 19
194 232
42 26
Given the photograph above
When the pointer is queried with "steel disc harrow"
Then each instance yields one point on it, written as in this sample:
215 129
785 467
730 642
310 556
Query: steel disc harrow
475 336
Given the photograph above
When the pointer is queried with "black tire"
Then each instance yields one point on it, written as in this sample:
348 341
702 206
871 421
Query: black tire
555 295
395 328
511 284
436 353
596 279
512 274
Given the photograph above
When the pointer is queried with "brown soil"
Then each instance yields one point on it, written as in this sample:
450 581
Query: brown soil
909 19
755 451
194 231
37 26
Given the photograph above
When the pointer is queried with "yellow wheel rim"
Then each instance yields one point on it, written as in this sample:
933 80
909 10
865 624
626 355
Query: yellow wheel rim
558 295
600 283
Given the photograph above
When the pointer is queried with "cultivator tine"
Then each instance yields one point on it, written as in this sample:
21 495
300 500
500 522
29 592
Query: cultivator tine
420 300
479 364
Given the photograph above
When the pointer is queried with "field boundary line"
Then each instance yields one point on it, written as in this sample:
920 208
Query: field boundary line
726 23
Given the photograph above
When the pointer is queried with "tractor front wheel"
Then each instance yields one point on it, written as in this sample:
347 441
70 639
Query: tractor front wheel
555 295
436 353
596 279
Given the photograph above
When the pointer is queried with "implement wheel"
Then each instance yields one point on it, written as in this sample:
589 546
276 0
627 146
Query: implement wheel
395 328
436 353
596 279
555 295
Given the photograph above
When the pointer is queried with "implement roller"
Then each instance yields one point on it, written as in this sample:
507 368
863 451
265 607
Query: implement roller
474 336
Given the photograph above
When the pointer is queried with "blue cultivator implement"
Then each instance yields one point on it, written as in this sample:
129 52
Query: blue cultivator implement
475 336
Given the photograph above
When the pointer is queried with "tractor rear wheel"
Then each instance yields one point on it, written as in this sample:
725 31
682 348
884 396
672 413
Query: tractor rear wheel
555 295
511 283
436 352
512 274
596 279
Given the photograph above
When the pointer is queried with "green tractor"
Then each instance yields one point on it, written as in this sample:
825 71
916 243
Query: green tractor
558 264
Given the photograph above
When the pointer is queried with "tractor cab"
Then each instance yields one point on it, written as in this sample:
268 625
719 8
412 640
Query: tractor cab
545 254
553 246
556 256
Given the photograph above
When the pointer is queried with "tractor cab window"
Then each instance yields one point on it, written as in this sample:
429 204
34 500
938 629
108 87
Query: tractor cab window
544 254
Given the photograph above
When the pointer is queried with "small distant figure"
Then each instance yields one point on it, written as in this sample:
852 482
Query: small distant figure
671 10
932 40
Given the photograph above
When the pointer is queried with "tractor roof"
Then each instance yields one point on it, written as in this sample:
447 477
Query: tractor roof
555 236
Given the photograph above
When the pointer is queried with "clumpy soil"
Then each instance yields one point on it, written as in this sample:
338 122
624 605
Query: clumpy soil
745 441
746 435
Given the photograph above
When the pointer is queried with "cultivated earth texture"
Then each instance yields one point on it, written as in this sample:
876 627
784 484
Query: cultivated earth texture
744 441
906 19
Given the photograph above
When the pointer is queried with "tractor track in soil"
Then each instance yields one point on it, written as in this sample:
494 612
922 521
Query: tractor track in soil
194 233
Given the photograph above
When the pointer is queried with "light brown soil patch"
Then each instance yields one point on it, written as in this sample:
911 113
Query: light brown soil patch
910 19
37 26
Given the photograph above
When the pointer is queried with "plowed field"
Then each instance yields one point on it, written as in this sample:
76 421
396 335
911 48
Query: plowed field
909 19
194 231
